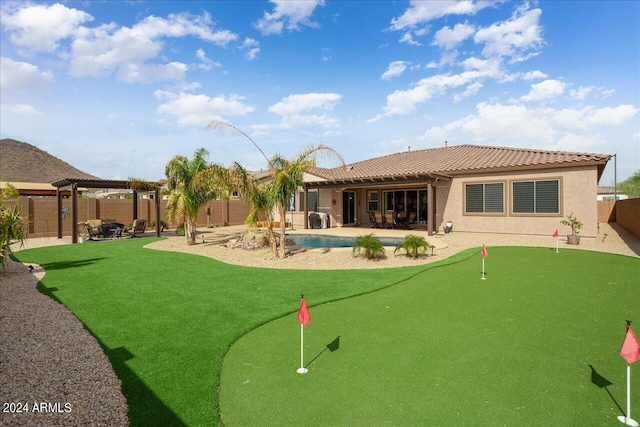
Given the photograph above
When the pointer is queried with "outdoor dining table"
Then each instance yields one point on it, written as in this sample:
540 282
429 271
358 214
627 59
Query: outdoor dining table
111 230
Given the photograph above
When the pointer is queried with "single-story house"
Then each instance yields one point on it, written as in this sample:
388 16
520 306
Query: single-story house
610 193
476 188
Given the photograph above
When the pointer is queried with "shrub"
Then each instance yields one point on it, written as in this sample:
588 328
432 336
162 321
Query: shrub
413 245
370 245
180 230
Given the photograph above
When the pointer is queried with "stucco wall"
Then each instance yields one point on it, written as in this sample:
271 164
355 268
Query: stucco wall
628 215
578 195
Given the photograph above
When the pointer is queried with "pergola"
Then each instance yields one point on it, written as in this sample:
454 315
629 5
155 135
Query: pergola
74 183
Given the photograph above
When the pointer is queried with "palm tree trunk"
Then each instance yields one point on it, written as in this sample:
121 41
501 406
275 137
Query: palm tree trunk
190 231
272 238
283 222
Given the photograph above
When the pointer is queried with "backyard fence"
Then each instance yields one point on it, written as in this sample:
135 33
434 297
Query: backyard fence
41 216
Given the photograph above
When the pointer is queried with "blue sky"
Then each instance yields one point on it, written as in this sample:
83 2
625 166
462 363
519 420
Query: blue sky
117 88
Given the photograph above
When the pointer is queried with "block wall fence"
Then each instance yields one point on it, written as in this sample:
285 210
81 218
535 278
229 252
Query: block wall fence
41 213
626 213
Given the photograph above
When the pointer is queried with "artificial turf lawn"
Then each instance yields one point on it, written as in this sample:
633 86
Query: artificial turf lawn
442 347
534 344
166 319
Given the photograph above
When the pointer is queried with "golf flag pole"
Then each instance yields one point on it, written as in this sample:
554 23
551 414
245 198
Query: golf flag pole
556 236
630 351
484 254
303 317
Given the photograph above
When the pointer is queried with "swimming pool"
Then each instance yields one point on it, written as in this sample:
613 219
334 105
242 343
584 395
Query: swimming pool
316 241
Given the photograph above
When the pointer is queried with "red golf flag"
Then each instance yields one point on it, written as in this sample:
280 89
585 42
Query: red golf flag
303 313
556 233
483 252
630 350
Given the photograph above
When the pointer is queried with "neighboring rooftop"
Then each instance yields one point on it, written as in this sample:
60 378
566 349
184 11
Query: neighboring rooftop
22 162
453 160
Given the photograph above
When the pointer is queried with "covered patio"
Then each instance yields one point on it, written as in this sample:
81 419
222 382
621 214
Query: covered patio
75 183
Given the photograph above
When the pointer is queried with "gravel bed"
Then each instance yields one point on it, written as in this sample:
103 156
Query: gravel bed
52 370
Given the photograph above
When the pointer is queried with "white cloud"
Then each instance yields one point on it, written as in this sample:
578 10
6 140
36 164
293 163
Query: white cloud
471 90
40 28
300 110
421 12
405 101
518 34
521 126
207 63
296 104
573 142
635 136
395 69
581 92
534 75
22 110
103 50
199 110
18 76
252 49
408 39
147 73
288 14
546 89
448 38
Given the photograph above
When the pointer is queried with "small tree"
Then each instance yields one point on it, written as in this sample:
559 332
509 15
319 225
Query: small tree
11 224
187 193
631 185
413 245
370 245
572 222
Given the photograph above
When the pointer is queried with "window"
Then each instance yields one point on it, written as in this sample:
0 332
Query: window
484 198
539 197
313 201
372 201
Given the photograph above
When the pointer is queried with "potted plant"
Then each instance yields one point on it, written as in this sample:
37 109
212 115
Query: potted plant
572 221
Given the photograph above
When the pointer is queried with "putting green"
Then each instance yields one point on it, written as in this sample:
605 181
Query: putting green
534 344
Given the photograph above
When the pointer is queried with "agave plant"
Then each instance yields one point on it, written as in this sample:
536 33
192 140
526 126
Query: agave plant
413 245
370 245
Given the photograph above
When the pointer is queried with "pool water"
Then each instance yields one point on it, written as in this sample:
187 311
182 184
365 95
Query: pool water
315 241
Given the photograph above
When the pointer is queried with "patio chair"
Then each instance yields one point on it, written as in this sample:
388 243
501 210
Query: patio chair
85 231
138 226
375 222
389 220
412 219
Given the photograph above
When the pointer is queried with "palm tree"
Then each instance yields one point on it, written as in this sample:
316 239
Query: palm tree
188 194
258 196
286 177
370 245
413 245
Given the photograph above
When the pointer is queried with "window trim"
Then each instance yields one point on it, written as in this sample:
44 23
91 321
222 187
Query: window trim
505 198
377 201
560 212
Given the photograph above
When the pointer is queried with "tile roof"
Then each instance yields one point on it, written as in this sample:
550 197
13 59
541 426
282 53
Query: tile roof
454 160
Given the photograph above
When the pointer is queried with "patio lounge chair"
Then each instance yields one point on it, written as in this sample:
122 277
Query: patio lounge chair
138 226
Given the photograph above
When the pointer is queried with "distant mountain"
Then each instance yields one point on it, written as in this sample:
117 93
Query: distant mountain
22 162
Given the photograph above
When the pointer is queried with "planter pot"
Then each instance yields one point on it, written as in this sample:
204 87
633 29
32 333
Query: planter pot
573 239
